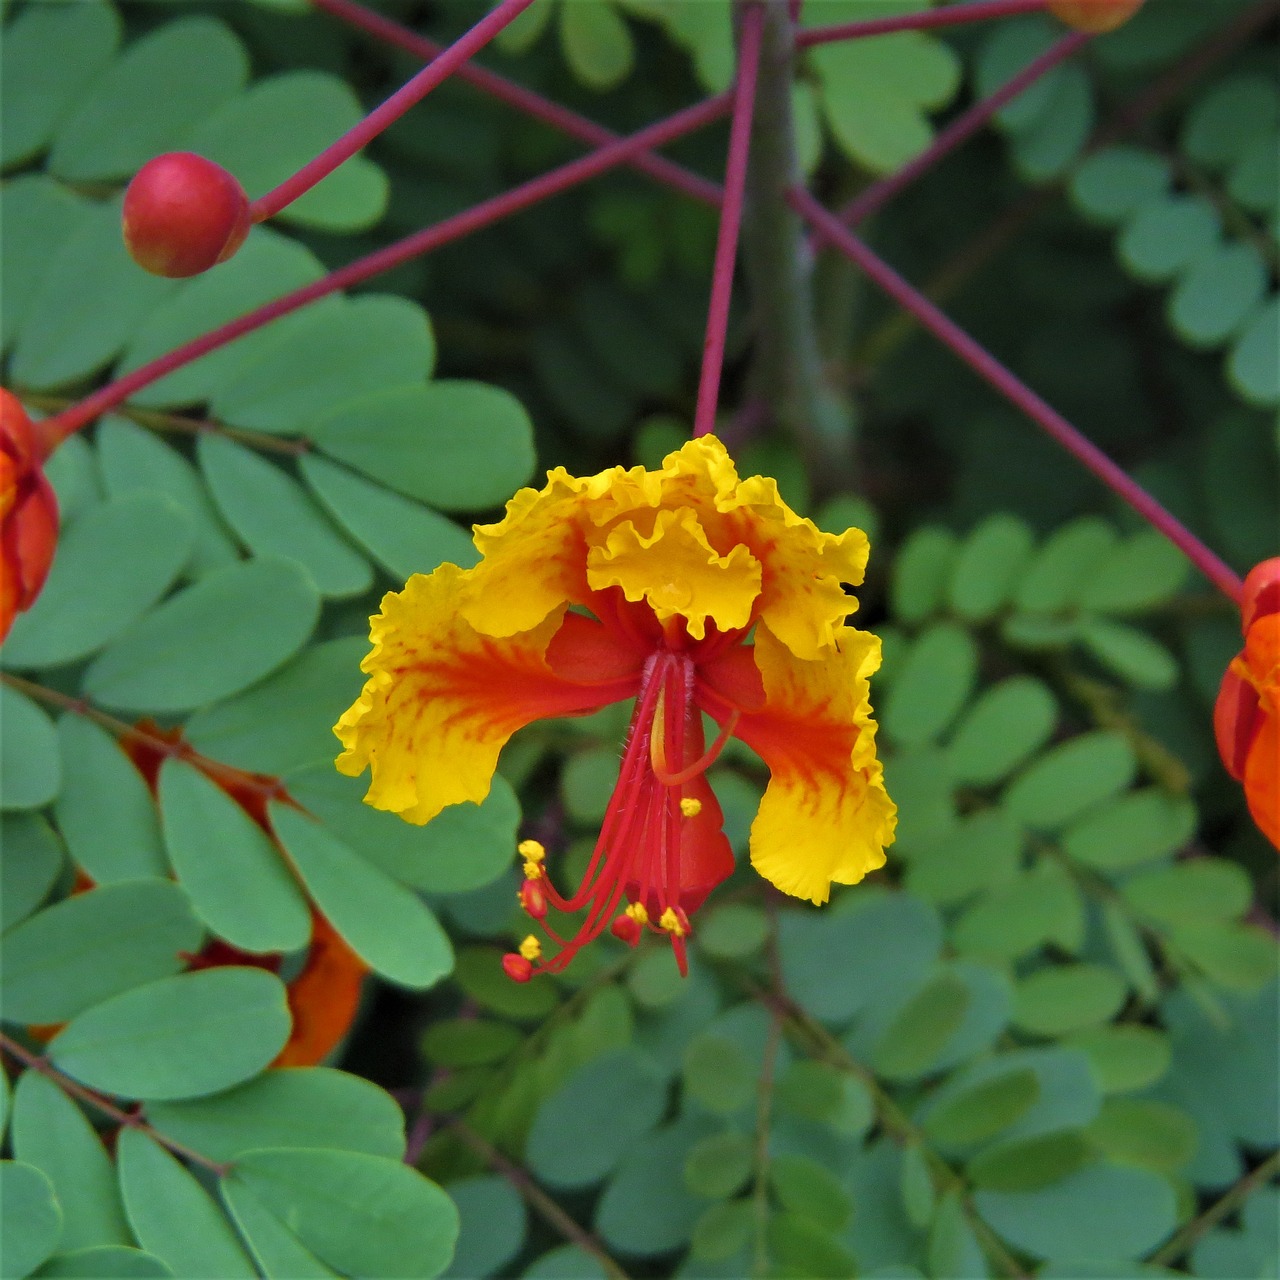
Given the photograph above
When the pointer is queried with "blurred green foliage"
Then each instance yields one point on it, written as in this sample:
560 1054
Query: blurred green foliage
1042 1042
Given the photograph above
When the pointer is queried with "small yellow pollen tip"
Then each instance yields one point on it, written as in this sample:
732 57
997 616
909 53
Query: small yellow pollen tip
531 850
637 912
671 923
690 807
531 870
531 948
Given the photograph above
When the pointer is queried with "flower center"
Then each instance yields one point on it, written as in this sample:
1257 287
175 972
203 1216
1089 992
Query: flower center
655 849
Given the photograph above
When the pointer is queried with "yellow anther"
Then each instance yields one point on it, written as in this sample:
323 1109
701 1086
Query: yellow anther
690 807
637 912
671 923
531 851
532 870
531 948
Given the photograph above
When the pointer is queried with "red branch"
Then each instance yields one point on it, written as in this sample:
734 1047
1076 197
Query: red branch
735 177
983 363
376 121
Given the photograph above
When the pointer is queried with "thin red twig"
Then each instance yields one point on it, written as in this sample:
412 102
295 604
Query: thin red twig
523 100
963 127
735 178
267 206
1015 390
952 16
481 215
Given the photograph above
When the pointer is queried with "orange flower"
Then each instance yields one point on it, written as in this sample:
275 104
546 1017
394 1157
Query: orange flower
690 591
1246 717
28 512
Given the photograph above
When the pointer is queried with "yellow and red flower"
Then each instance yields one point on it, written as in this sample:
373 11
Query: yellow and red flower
1246 717
28 512
684 588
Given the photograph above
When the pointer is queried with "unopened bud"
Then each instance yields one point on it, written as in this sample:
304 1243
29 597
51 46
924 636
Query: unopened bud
516 967
184 214
1094 16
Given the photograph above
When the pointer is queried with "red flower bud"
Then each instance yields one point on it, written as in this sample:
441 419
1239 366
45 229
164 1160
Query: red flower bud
183 214
627 928
28 512
1094 16
516 967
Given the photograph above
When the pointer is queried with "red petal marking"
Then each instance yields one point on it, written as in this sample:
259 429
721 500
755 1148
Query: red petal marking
585 651
1237 717
733 678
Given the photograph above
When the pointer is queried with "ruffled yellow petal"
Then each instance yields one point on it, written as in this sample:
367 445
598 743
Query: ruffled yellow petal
442 698
678 572
825 817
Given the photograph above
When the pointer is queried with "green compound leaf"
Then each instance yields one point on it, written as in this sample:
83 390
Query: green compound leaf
875 94
39 215
30 766
718 1073
1048 147
285 722
479 974
277 1251
816 1091
1239 957
308 110
267 266
1112 184
919 1195
596 44
1138 827
1124 1057
173 1216
180 1037
719 1233
30 1217
85 949
1143 570
1167 236
1056 1000
1139 1131
1225 120
922 1028
112 565
1130 654
466 847
974 1114
1009 48
1072 778
338 350
132 460
216 850
1253 179
584 1129
811 1191
953 1247
105 811
1191 892
192 65
51 55
921 573
494 1224
74 478
1130 952
68 330
718 1166
273 515
732 931
32 861
1030 1163
1218 294
1065 562
360 1214
469 1042
291 1106
105 1262
990 562
1036 907
387 925
458 446
800 1246
984 851
1128 1211
932 683
52 1134
1006 724
209 641
400 535
1252 367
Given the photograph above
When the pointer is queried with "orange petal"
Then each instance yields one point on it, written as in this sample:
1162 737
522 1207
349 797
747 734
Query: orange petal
443 699
1262 779
825 817
323 998
1261 593
1237 717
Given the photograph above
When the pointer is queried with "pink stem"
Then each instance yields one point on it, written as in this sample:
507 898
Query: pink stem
951 16
376 121
523 100
1013 389
482 215
963 127
735 178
